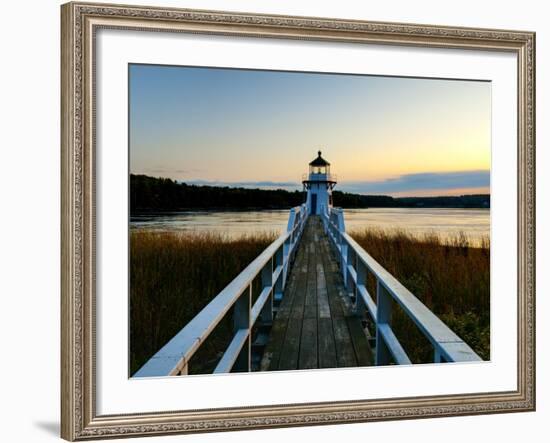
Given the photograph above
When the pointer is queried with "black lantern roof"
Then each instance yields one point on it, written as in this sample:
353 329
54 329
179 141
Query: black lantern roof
319 161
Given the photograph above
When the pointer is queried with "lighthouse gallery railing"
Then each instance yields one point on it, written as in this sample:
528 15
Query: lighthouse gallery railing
355 263
273 266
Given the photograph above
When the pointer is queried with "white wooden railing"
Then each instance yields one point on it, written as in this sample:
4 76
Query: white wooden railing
355 264
272 265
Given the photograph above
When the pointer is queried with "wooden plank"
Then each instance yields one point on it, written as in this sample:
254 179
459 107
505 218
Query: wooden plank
308 339
345 354
336 310
360 343
310 298
335 306
290 290
272 352
297 310
308 344
310 311
286 302
312 328
327 306
322 293
327 346
310 302
290 347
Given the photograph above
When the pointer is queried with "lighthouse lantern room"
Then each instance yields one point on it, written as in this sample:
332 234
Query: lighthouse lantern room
318 185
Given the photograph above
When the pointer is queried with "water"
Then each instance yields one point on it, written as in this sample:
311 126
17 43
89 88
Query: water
474 223
231 223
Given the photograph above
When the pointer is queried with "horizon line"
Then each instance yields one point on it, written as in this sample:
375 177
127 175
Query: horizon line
272 186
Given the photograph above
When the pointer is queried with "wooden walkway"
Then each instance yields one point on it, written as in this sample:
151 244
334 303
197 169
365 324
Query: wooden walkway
314 326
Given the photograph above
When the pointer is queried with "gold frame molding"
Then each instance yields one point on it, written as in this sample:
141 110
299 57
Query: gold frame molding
79 22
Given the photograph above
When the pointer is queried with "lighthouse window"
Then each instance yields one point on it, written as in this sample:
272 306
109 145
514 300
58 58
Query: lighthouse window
319 169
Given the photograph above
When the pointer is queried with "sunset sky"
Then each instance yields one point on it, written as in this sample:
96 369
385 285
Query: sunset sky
382 135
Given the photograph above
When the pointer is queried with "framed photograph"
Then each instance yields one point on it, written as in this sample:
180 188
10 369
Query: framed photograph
281 221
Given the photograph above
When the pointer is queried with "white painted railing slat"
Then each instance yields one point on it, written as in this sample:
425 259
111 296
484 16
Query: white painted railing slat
259 303
395 348
231 354
369 302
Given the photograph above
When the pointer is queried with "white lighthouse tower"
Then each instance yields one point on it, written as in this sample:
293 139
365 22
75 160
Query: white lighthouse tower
318 184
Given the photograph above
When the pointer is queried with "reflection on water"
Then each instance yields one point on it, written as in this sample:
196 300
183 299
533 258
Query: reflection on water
231 223
475 223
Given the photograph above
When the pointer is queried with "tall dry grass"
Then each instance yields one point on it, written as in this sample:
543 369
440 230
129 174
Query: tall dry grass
449 275
172 277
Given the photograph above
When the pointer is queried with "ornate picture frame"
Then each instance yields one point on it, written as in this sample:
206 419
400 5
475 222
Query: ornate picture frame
80 23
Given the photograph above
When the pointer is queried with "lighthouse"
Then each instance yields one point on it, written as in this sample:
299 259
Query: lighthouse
319 184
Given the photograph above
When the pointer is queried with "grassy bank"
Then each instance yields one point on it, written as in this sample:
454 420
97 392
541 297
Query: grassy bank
449 276
172 277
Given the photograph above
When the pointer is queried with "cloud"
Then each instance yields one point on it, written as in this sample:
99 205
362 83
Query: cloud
265 184
426 181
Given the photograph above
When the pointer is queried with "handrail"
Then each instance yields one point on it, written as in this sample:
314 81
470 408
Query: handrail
355 263
273 265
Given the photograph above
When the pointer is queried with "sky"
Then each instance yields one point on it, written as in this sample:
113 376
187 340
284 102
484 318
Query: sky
382 135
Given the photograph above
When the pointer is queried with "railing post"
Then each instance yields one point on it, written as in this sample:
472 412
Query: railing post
438 358
286 258
241 320
360 306
383 316
343 255
350 260
340 220
279 285
266 314
340 229
291 220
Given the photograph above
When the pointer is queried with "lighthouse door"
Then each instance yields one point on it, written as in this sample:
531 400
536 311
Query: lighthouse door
313 203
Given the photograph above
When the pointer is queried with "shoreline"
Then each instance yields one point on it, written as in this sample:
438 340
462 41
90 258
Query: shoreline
149 212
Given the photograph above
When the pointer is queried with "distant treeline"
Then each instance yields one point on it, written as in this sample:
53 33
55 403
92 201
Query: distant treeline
163 194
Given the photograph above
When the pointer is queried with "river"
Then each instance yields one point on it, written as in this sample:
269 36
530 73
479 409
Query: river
474 223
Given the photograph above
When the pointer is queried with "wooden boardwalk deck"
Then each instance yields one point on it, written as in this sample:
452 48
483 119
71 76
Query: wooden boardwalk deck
314 326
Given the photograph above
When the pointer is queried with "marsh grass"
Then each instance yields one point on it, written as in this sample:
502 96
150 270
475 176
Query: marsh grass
172 277
450 275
